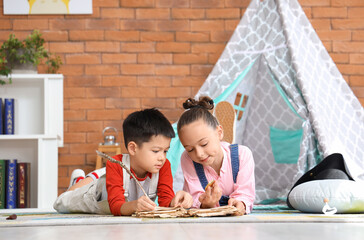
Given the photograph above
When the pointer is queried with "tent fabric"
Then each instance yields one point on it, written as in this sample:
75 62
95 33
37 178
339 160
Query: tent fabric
277 62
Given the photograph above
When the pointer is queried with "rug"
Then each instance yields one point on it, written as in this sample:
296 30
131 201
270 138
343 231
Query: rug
260 214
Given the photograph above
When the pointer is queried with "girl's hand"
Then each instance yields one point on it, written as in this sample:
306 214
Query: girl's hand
211 197
182 199
144 204
238 204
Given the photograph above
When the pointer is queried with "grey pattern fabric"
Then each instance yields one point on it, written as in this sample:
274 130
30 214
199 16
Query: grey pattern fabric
277 42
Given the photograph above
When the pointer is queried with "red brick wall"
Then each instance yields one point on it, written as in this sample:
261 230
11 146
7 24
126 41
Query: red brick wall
133 54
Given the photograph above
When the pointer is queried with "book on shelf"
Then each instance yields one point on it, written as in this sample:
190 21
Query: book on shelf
1 116
11 183
8 116
23 193
2 182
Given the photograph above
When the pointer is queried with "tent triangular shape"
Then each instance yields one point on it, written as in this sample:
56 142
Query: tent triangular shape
293 106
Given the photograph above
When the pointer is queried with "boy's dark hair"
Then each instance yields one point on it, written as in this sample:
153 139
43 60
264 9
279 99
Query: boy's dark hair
140 126
197 110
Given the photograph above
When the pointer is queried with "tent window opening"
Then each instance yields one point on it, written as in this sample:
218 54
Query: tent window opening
239 105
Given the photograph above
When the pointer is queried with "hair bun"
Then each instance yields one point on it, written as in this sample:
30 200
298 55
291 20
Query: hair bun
203 102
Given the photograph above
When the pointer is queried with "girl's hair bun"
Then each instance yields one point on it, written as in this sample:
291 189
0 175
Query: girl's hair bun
203 102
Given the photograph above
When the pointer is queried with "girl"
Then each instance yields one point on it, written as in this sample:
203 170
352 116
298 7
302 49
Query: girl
206 159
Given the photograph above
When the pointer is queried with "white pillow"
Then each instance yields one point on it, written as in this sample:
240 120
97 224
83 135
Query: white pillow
347 196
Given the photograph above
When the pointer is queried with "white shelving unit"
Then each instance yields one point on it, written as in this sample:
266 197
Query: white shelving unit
38 128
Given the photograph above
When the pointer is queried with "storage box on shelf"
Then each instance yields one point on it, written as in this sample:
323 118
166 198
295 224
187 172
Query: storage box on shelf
38 131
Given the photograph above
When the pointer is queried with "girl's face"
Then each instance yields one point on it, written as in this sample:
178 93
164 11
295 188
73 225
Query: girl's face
202 143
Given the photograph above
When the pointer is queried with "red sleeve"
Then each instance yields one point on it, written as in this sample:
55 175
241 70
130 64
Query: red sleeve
115 186
165 185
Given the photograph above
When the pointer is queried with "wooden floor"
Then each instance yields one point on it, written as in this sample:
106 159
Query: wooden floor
186 231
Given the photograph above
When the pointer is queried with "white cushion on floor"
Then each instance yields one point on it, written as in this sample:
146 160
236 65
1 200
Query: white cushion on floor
347 196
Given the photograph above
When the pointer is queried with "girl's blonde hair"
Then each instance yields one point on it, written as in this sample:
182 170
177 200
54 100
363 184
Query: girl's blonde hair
198 110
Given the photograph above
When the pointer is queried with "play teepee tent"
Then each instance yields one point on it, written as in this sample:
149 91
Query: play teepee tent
293 106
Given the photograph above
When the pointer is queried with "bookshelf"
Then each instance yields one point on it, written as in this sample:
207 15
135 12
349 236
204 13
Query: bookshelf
38 131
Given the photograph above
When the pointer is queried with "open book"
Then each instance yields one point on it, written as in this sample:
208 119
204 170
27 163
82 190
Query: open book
174 212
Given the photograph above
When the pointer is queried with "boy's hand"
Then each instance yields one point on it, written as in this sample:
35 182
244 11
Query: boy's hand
238 204
211 197
182 199
144 204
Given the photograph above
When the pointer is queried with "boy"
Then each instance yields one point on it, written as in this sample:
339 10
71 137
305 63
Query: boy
147 136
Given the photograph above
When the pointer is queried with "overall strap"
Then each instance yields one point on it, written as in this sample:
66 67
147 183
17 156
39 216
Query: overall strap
152 192
201 174
234 154
126 176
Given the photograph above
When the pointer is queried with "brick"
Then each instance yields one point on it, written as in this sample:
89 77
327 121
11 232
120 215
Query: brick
104 69
67 24
83 148
223 13
174 92
74 92
337 35
207 4
5 24
136 3
130 92
138 47
348 3
237 3
122 81
161 58
55 36
207 48
119 58
201 70
213 57
125 36
84 103
154 81
321 24
207 25
357 58
308 12
105 3
173 25
181 58
102 46
74 115
30 24
221 36
118 13
66 47
122 103
83 81
156 36
71 160
327 45
192 37
329 12
102 24
230 25
158 103
86 35
352 24
83 59
188 81
359 92
173 47
357 81
112 114
62 171
172 70
188 13
135 25
153 13
353 47
340 57
172 114
358 36
311 3
351 69
356 12
172 3
75 137
102 92
137 69
84 126
72 70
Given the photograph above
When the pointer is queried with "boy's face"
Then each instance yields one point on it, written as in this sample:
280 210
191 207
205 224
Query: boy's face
150 156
